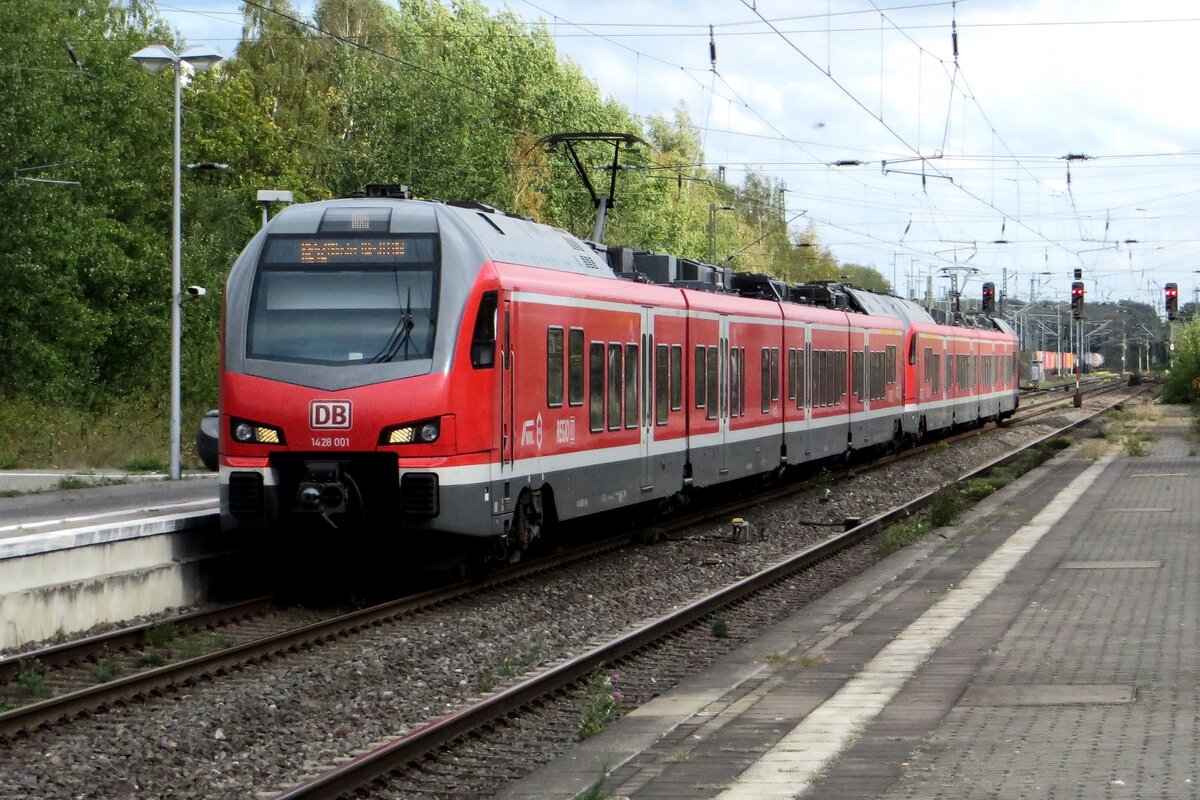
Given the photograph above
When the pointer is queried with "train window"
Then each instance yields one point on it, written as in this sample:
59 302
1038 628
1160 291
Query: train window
936 371
701 379
483 339
741 355
662 374
800 382
791 368
631 386
614 386
856 375
949 371
890 365
737 382
878 374
820 379
840 375
596 386
912 351
774 374
554 367
713 386
765 380
575 367
676 377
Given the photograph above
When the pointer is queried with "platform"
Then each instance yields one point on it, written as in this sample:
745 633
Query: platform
74 558
58 518
1046 648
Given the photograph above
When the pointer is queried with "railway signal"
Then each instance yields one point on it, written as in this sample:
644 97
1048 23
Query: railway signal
1172 297
1077 299
988 303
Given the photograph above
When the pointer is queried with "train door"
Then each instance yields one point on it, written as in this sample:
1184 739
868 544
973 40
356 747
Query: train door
648 396
802 356
507 389
723 392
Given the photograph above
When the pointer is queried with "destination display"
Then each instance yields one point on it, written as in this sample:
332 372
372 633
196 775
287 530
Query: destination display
333 251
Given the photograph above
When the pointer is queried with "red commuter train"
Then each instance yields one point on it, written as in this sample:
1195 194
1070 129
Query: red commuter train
439 368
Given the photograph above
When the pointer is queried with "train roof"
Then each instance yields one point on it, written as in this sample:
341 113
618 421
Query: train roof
513 239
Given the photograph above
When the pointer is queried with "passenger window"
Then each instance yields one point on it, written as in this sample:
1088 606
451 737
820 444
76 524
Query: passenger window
676 377
765 380
554 367
614 386
712 389
575 367
800 382
596 386
774 374
662 374
700 377
631 386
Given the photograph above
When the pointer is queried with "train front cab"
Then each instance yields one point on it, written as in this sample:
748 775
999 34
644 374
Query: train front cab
339 405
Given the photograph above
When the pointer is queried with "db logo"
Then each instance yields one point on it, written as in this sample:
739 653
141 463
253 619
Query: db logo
329 414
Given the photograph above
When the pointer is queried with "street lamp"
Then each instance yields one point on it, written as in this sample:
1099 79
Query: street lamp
154 58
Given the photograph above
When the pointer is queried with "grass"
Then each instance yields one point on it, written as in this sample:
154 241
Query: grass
596 791
151 659
782 659
161 635
720 626
1093 449
32 679
899 535
201 642
599 702
512 663
4 706
951 501
106 669
35 434
77 482
145 464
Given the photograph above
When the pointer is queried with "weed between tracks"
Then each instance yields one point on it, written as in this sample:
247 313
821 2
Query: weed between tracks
32 679
951 501
599 702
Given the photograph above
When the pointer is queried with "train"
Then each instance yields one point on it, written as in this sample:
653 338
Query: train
437 369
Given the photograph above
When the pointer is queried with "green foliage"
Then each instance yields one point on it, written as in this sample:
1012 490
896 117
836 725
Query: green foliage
977 489
1182 382
151 659
106 669
945 507
31 677
599 702
901 534
452 103
720 626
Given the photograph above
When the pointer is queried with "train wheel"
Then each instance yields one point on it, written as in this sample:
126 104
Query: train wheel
527 519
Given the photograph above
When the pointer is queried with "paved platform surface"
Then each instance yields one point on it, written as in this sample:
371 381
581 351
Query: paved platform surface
1048 647
43 518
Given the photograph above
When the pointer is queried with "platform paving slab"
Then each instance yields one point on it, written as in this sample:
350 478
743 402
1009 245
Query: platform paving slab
1074 675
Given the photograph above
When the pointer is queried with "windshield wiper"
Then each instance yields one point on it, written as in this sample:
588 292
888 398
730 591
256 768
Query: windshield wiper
401 334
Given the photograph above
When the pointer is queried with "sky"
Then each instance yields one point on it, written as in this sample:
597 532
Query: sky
1062 136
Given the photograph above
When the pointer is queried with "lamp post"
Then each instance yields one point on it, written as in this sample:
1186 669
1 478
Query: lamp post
154 58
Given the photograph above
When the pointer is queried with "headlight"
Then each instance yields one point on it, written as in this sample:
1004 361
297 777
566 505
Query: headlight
254 433
416 433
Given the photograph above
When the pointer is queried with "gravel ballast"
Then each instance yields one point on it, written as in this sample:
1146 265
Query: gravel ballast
270 724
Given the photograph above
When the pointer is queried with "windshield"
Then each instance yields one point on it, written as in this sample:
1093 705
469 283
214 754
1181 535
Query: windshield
343 300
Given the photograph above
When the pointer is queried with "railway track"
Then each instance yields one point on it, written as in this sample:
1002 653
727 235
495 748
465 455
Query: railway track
297 641
407 759
54 684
